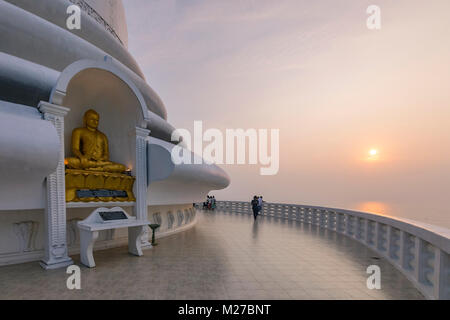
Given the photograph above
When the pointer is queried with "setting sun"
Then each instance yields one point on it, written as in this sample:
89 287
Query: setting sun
373 155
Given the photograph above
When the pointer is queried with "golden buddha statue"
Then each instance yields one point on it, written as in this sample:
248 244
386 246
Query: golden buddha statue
90 175
90 147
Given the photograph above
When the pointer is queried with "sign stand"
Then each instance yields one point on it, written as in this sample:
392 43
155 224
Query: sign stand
107 219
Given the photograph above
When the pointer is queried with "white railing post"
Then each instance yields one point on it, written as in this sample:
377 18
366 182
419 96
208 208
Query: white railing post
389 241
377 235
418 259
339 222
321 218
360 228
441 278
331 220
349 225
367 231
403 250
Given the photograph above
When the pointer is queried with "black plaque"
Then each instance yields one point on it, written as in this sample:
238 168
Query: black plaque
112 215
102 193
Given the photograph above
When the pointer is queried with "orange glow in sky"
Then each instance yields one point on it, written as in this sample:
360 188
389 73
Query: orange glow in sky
373 207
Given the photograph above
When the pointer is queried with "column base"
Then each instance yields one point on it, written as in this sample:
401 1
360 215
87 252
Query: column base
56 265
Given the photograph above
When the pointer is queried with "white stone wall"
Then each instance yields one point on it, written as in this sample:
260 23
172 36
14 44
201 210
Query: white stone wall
29 149
113 12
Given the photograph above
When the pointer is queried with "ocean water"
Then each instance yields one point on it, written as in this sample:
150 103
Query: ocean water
429 214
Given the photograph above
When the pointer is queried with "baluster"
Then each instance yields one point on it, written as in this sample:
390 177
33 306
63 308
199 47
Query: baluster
349 225
419 260
367 231
331 220
320 214
441 275
377 235
339 222
358 227
389 241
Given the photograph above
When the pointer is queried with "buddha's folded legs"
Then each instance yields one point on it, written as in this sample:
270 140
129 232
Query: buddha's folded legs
73 163
114 167
108 166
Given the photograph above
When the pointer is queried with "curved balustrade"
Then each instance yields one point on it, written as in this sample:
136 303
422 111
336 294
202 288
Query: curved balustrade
419 251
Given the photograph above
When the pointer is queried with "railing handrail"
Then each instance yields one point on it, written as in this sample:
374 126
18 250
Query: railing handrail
419 250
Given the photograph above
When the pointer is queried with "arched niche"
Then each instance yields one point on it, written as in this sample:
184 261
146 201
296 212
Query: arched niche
100 86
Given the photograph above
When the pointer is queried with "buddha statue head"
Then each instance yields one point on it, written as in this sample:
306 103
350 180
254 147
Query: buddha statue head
91 119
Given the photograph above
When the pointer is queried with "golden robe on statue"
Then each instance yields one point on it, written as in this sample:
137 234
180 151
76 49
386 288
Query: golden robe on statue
90 147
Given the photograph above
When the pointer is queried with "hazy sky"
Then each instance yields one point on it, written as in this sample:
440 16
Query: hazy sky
334 88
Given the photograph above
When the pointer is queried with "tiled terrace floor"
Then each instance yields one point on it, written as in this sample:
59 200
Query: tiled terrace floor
223 257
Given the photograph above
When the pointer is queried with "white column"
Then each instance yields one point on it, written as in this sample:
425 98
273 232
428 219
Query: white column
56 255
141 182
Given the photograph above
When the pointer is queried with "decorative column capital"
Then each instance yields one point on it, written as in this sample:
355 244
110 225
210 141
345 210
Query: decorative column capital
53 109
141 132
